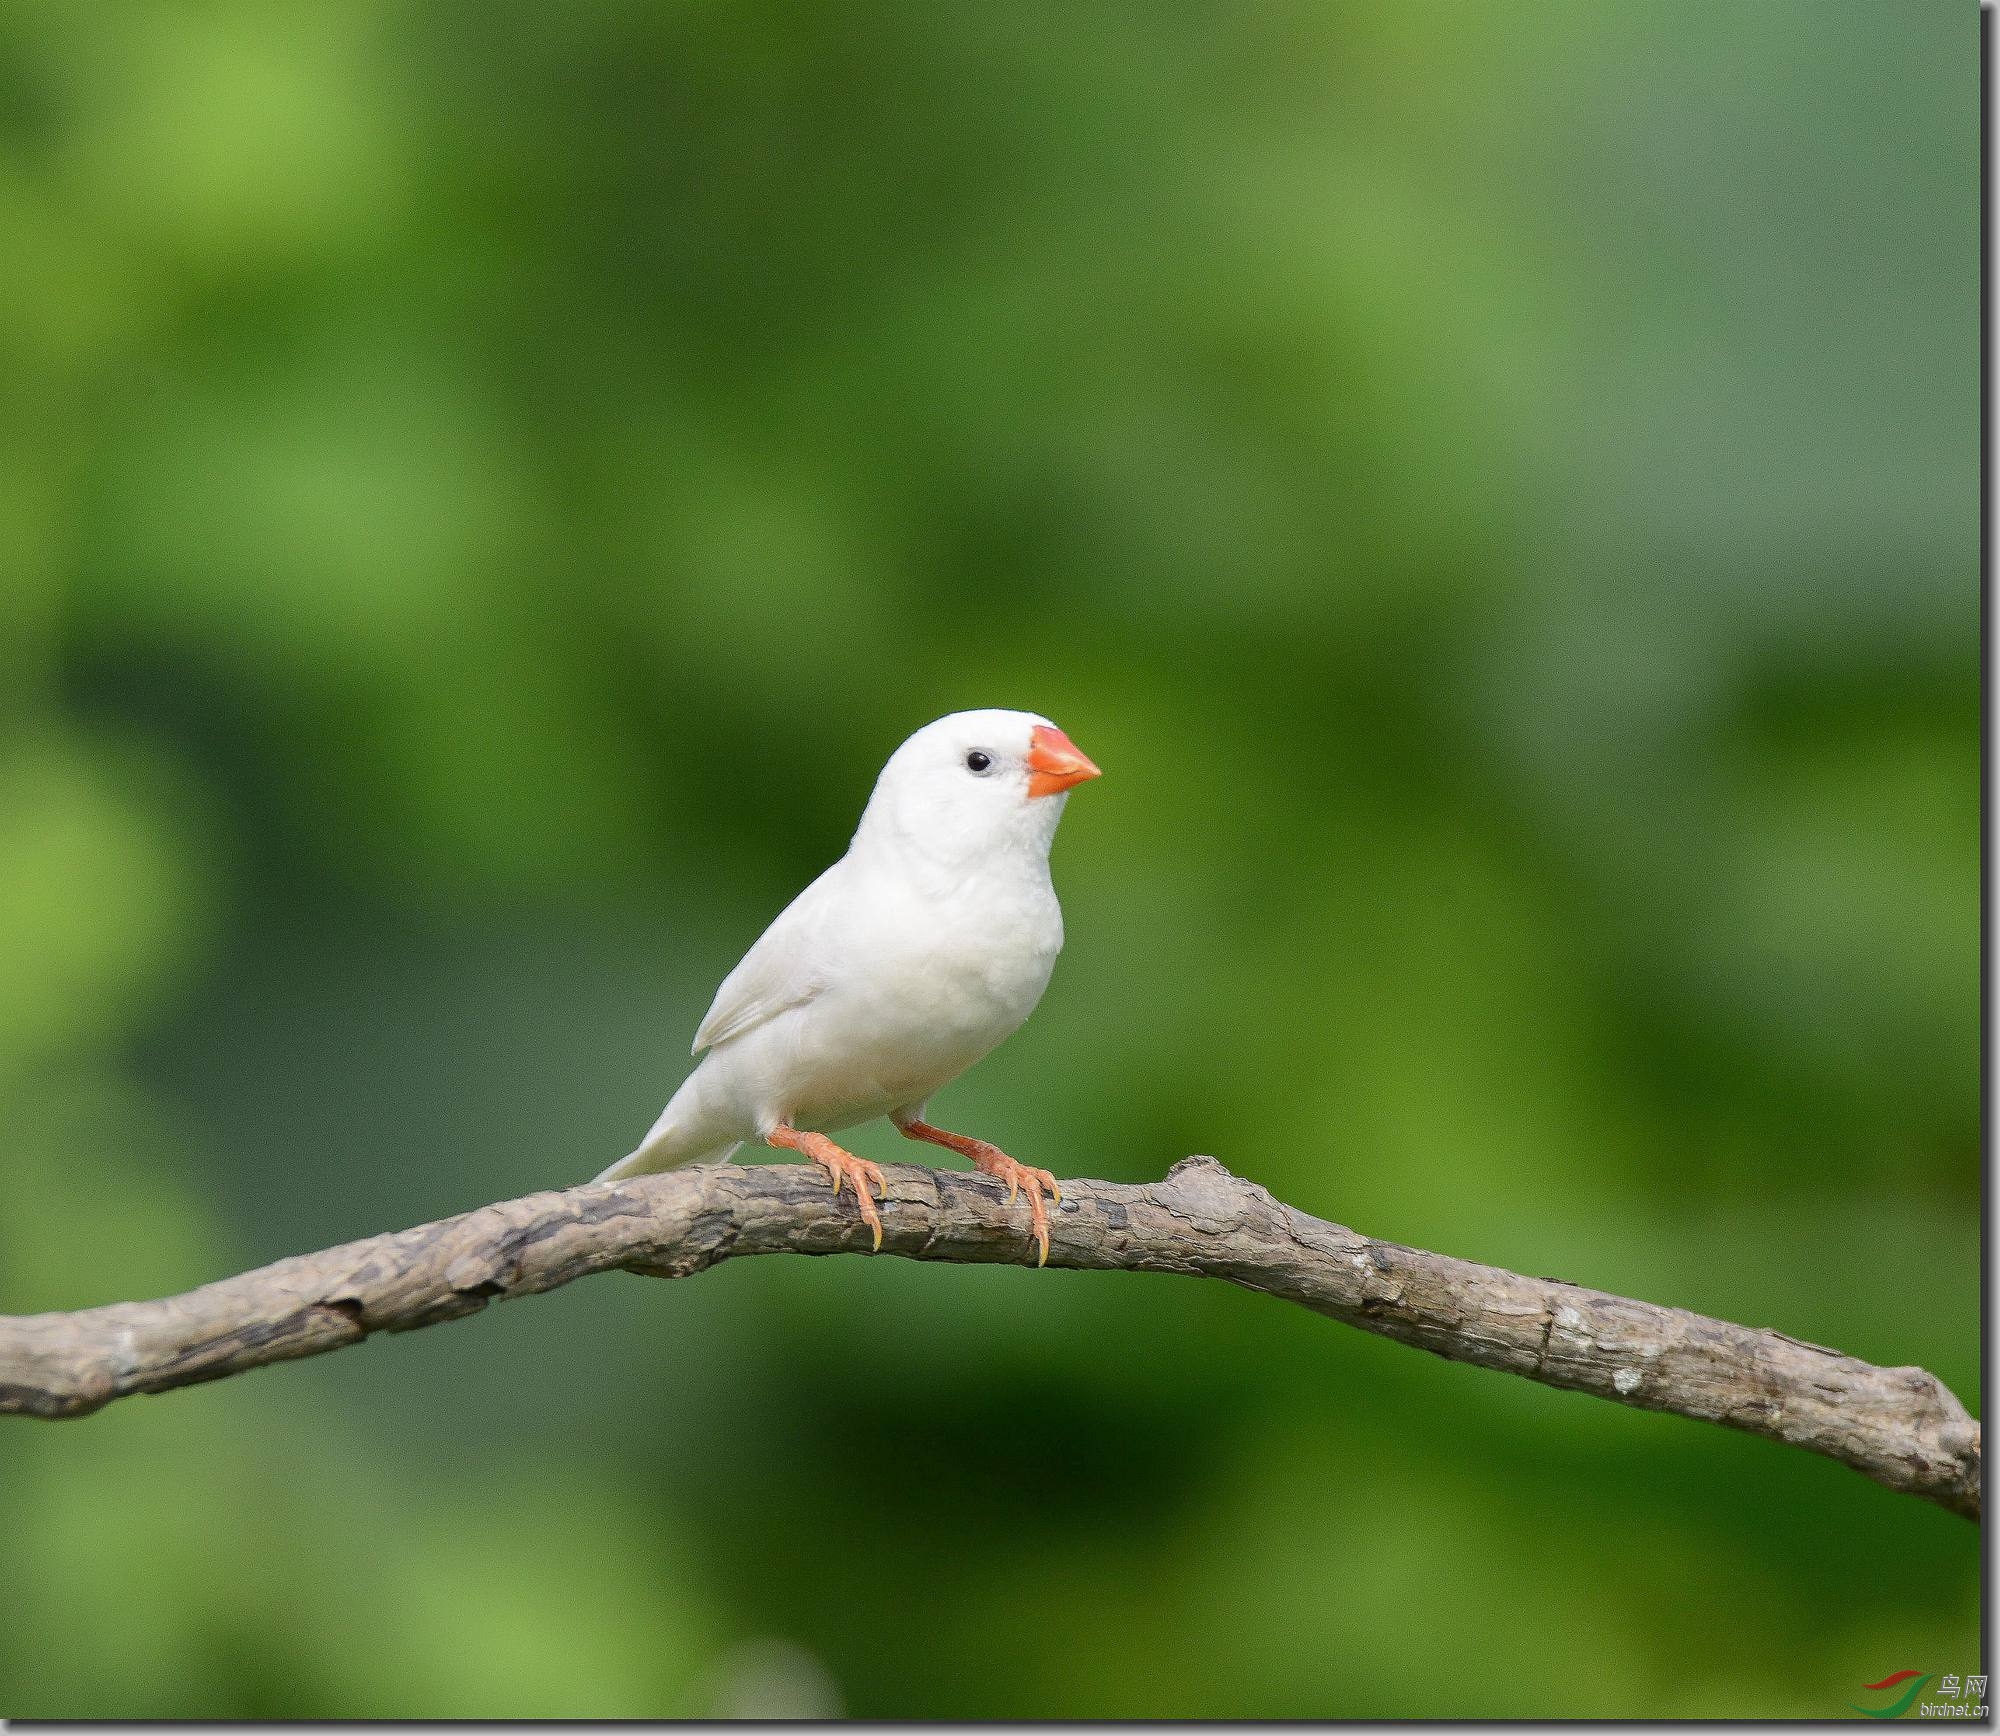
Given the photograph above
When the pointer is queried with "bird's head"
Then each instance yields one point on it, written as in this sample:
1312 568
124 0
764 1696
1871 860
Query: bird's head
974 785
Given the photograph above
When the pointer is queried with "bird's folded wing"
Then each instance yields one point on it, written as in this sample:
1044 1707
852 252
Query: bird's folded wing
785 969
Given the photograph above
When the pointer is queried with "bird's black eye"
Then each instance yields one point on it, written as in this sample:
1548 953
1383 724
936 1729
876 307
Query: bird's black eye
976 761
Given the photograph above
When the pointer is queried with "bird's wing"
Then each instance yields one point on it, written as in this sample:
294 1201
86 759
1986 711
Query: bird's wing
786 968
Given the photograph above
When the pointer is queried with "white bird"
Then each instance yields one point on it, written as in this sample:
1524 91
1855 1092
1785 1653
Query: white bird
921 949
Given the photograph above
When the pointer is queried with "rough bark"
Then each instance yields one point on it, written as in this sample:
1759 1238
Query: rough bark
1899 1426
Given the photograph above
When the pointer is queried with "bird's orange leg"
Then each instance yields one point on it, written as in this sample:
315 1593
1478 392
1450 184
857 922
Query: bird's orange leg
838 1163
995 1162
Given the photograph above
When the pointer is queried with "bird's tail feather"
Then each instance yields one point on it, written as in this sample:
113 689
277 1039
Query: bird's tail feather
685 1133
651 1157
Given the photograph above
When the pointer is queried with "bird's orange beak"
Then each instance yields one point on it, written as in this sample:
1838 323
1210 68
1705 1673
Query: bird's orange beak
1055 762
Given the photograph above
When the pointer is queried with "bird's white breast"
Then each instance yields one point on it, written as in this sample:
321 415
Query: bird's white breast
939 981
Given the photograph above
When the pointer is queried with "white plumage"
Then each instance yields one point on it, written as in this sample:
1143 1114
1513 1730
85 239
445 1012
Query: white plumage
921 949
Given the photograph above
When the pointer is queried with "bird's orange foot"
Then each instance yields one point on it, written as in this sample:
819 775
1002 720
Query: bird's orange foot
995 1162
840 1165
1023 1178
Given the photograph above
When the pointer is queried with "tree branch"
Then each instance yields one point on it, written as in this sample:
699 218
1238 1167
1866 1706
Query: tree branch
1899 1426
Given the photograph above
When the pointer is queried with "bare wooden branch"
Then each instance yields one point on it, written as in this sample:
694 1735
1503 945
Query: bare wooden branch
1899 1426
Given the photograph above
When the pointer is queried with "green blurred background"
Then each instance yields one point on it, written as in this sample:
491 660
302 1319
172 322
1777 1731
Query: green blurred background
484 488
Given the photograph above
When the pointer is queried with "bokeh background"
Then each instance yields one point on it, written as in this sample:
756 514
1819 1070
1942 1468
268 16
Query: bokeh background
486 485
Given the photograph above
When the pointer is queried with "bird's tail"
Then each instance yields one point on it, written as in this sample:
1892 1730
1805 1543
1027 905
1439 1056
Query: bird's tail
682 1135
650 1157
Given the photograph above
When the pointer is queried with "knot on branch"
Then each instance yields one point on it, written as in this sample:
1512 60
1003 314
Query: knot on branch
1212 1198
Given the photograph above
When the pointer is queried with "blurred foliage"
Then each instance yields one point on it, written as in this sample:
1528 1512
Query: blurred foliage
484 488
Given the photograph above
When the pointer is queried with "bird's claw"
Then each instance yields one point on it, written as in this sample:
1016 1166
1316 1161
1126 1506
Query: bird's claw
862 1173
867 1178
1020 1178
